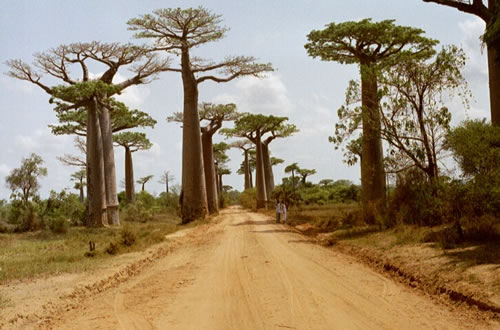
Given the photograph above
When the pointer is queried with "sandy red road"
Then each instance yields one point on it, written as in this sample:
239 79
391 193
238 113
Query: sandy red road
245 272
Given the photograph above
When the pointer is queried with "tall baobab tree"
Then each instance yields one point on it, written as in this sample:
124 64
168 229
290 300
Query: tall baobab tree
131 142
79 178
245 146
142 181
213 116
165 179
292 168
490 14
370 45
178 31
252 127
94 95
276 129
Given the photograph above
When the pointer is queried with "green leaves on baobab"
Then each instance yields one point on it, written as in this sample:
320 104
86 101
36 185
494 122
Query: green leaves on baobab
133 140
367 42
75 121
82 91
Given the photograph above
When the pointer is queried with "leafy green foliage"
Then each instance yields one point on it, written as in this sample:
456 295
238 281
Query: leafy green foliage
476 149
63 206
368 42
23 181
134 141
75 121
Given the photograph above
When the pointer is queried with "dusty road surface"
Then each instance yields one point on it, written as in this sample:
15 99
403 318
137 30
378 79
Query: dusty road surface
246 272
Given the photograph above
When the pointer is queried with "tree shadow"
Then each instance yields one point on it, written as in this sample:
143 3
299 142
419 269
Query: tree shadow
473 254
272 231
251 222
304 241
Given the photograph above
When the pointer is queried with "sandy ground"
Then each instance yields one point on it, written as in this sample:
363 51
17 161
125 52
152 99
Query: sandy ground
246 272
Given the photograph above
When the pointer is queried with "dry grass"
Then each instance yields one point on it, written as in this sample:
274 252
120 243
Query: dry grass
27 255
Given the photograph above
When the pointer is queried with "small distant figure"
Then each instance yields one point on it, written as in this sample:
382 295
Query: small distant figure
278 211
283 212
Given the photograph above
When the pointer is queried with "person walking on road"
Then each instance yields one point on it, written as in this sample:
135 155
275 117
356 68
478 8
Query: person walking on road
283 212
278 211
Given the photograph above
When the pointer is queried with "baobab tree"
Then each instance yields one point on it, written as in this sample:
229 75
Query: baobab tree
245 146
94 95
371 45
213 116
79 178
292 168
490 14
142 181
304 173
178 31
165 179
252 127
131 142
276 129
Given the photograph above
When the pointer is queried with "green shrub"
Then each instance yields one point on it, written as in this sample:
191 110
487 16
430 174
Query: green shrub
127 237
416 201
248 199
59 225
482 229
112 248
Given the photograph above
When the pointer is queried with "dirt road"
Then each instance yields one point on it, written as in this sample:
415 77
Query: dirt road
246 272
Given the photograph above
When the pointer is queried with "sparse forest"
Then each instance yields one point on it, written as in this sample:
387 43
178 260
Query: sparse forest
424 179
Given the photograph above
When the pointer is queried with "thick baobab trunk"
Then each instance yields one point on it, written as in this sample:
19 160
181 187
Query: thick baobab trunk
129 177
268 170
194 204
209 167
82 195
248 174
112 203
220 185
372 165
260 183
494 80
95 173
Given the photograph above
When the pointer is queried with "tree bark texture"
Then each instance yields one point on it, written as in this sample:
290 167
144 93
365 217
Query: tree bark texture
112 203
129 177
260 183
194 204
494 83
209 167
82 194
248 175
372 165
95 187
268 170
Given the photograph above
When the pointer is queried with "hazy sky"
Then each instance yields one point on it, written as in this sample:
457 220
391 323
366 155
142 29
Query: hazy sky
306 90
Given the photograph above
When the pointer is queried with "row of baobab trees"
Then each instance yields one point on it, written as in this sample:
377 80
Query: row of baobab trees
86 107
177 31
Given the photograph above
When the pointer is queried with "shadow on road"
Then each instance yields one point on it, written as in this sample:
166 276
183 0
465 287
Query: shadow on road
305 241
272 231
251 222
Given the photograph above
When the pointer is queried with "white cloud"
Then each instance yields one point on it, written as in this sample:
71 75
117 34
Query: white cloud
16 85
268 96
476 69
41 140
4 170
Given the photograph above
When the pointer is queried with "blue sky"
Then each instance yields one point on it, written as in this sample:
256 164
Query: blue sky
306 90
